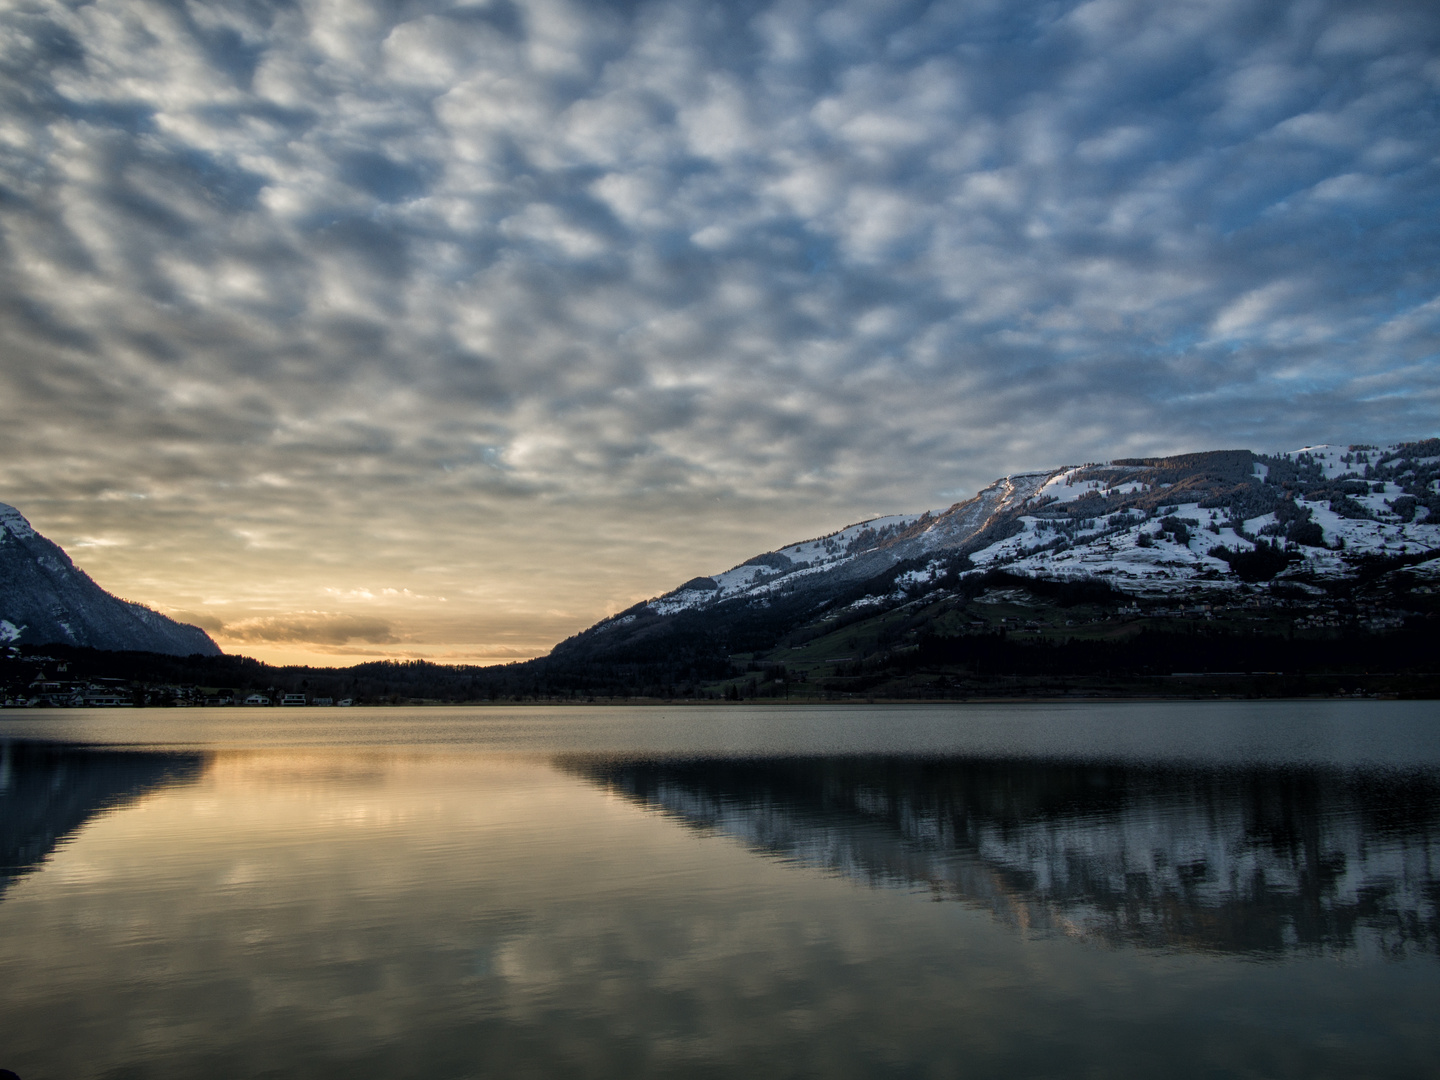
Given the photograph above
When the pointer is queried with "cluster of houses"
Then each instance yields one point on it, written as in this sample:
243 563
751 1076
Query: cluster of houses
95 694
235 697
120 693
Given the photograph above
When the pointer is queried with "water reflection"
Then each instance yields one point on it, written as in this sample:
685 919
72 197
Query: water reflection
452 913
1258 861
48 792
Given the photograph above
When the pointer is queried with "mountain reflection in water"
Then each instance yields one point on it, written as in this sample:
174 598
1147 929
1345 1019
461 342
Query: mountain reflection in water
1258 861
49 791
494 904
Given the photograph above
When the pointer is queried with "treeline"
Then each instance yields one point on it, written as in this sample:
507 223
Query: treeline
380 682
1163 652
936 662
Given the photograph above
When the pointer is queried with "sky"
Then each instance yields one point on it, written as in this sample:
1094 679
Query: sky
351 330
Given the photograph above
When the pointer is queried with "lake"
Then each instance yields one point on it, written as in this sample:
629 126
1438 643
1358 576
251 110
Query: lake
1177 890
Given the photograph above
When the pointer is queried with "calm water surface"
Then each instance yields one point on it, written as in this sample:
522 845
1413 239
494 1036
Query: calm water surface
1078 890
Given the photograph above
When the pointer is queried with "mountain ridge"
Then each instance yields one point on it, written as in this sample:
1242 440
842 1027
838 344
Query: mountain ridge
1101 578
45 598
1213 527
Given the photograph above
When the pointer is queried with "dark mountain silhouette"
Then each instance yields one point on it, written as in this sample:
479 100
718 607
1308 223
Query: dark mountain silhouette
45 598
49 791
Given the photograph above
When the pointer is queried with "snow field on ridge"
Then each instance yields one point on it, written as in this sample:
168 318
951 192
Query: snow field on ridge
1097 548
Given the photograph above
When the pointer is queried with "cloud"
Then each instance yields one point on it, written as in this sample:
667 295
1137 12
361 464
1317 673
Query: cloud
294 266
317 628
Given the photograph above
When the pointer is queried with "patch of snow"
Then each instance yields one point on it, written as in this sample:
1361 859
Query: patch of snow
820 553
9 631
1012 547
1254 525
1375 500
1003 596
832 545
1166 566
867 601
613 623
915 578
13 522
682 600
1116 555
1328 457
1064 487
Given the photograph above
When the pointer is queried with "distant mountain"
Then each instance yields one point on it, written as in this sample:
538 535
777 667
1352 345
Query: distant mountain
45 598
1313 527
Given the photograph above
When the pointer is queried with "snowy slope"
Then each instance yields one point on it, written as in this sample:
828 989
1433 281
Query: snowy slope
758 577
1147 527
45 598
1115 550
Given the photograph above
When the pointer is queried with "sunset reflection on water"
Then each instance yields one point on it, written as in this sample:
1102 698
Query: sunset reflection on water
466 911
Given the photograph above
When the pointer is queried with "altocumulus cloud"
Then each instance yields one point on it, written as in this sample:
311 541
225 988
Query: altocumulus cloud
370 261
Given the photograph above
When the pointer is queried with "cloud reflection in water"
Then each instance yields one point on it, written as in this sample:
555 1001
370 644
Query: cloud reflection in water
49 792
442 912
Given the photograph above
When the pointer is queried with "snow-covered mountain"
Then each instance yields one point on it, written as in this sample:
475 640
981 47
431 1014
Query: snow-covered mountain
1205 523
1148 525
45 598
